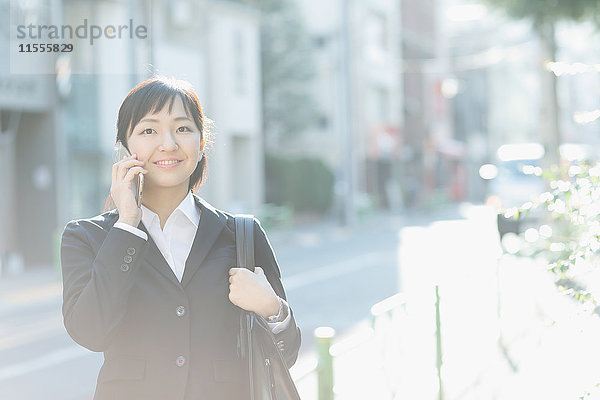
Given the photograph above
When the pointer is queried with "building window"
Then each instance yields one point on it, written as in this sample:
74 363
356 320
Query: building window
323 122
34 12
382 106
376 36
239 62
319 41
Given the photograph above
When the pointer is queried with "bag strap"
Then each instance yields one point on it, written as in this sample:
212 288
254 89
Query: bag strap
244 247
244 241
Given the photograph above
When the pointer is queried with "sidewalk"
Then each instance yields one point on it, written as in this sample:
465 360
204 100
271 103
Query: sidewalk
29 288
550 341
507 333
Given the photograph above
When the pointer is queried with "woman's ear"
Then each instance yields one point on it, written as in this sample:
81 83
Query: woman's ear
202 147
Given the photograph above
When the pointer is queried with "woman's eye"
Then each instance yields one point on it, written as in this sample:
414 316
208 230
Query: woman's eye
148 131
183 129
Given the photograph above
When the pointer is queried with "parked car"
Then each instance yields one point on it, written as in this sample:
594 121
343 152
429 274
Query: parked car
517 180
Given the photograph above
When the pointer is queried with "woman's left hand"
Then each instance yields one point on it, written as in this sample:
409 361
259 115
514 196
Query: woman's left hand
252 291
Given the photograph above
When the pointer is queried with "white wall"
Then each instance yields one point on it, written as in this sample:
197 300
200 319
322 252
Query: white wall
236 174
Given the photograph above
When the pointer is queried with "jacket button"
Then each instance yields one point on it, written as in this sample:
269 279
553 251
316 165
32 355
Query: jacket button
131 251
180 361
280 345
127 259
124 267
180 311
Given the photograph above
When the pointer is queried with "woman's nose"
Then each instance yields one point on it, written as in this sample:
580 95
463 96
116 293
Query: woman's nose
168 143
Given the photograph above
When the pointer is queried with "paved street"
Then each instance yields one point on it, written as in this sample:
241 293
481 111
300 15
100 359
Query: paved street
37 358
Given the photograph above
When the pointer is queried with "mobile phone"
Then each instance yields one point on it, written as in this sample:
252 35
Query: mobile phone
138 180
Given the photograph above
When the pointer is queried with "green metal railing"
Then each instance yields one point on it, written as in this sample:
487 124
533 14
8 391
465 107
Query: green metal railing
438 343
326 352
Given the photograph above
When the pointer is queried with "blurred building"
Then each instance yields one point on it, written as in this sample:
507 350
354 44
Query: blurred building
58 129
216 46
28 159
496 65
420 71
359 94
578 89
435 155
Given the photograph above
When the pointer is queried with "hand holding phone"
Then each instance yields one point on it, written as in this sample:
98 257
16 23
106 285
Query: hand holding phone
127 185
138 182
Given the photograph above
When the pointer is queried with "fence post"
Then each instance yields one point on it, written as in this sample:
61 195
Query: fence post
438 342
324 335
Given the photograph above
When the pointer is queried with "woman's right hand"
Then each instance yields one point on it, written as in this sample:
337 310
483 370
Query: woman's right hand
123 173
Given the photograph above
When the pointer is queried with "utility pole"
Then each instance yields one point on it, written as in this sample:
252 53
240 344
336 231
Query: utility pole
346 126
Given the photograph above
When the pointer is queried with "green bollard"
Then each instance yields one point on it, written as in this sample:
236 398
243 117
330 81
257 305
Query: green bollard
438 342
324 335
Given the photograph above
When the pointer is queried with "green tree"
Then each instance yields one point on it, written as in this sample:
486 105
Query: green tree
287 70
544 15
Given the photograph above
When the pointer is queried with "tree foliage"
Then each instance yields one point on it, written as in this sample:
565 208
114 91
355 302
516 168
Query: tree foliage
544 14
569 240
287 68
305 184
541 11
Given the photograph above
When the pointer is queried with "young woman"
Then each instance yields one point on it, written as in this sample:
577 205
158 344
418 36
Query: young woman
155 287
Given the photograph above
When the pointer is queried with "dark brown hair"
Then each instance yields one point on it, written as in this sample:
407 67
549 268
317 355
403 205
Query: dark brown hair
150 97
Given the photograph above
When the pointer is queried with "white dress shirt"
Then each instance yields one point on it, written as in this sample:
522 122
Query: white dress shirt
176 239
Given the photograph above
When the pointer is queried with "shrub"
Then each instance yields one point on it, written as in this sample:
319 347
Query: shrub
569 239
306 184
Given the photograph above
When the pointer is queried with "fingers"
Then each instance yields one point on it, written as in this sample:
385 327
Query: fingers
116 166
237 273
114 171
123 172
237 270
132 172
130 157
126 165
251 291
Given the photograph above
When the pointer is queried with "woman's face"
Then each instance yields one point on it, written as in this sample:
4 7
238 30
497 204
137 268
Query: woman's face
170 146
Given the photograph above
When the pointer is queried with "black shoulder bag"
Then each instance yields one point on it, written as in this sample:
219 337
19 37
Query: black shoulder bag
269 375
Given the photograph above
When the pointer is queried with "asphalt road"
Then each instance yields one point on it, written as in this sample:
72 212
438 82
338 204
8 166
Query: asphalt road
332 277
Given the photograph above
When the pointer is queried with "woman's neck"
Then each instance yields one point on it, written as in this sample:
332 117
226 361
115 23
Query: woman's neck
164 201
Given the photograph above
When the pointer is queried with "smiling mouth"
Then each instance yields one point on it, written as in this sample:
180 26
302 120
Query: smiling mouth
167 163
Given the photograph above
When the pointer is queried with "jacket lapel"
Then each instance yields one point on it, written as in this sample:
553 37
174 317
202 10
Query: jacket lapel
210 227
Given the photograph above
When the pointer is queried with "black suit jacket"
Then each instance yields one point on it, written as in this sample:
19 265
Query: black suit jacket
161 339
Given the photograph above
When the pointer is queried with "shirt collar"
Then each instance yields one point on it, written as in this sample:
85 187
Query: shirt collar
187 207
